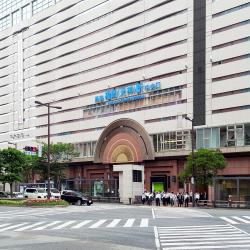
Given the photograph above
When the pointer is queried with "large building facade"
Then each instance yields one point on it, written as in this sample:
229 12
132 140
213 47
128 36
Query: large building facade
126 74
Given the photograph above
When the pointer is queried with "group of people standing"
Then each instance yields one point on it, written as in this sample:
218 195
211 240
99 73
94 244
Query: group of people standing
171 199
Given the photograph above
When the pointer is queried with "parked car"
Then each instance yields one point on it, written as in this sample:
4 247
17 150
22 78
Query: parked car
54 193
76 198
18 195
3 194
35 193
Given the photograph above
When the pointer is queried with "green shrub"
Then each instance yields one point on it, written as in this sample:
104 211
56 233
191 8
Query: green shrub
40 203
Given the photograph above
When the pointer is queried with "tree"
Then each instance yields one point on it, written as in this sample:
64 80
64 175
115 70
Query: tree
11 166
206 162
60 155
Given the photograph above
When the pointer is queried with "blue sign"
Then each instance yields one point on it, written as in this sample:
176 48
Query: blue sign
128 93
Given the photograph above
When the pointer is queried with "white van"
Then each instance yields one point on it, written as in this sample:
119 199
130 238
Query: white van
54 193
35 193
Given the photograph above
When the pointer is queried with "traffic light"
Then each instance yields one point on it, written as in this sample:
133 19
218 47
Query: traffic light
30 150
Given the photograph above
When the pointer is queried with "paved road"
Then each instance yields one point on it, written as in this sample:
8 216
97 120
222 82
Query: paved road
114 226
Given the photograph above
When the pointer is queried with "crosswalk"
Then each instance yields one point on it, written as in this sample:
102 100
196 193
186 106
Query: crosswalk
35 212
236 219
73 224
201 237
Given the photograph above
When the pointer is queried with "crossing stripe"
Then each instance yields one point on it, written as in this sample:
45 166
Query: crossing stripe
64 225
28 227
114 223
225 235
221 237
98 223
46 226
4 225
14 226
144 223
206 247
229 220
81 224
129 223
240 219
242 240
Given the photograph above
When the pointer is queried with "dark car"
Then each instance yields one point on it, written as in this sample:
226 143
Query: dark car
76 198
3 194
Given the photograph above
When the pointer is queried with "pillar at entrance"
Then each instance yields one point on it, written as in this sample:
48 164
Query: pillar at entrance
129 188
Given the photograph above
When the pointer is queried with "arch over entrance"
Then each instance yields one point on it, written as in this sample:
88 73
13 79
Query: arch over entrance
124 141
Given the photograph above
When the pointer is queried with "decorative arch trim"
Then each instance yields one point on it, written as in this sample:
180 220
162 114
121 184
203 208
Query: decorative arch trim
128 133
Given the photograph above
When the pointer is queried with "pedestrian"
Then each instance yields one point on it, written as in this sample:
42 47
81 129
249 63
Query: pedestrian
172 199
229 200
168 198
143 198
179 199
164 199
150 199
158 199
186 199
196 198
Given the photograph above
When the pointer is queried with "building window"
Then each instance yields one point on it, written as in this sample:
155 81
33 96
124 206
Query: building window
137 176
16 17
172 141
207 138
85 149
39 5
5 22
26 12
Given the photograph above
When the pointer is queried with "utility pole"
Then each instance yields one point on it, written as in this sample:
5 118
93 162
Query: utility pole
193 167
48 105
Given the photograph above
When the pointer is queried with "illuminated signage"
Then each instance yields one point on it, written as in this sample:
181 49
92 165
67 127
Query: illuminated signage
128 93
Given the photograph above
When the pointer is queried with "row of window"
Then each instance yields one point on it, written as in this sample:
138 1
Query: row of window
217 137
172 140
233 92
21 13
231 109
223 45
246 22
226 136
246 5
231 59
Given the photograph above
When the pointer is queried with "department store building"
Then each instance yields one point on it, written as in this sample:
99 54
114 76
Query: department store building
126 74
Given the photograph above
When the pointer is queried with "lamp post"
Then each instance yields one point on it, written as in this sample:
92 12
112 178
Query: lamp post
48 105
193 167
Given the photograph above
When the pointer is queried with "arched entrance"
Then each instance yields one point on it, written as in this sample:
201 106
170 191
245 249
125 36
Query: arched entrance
125 144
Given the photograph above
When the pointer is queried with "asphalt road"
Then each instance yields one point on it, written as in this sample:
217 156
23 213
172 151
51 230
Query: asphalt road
120 227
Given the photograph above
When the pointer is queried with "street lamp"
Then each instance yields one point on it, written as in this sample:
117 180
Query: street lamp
48 105
193 170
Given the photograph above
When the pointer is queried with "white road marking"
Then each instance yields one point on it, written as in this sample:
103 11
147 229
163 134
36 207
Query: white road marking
29 226
81 224
64 225
229 220
240 219
196 237
98 223
46 226
129 223
114 223
14 226
4 225
144 222
157 241
153 213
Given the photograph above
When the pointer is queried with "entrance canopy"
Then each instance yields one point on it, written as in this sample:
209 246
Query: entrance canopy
123 141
